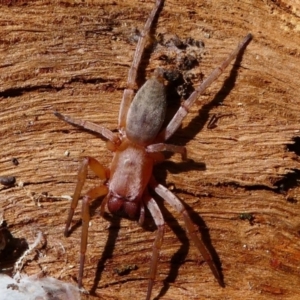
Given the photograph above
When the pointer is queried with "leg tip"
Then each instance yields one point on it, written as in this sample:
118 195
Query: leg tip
67 232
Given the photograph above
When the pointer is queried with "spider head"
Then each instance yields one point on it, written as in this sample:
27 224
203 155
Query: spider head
123 207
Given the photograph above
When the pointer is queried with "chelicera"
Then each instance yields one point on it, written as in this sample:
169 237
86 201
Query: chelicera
137 147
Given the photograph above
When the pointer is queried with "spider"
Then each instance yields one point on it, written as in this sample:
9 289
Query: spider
137 147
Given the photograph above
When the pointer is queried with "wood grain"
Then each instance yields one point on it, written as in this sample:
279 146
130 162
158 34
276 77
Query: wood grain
74 57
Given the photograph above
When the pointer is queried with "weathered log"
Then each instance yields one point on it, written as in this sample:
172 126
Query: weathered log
242 188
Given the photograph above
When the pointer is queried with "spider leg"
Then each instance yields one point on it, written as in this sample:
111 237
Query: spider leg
99 170
93 193
168 147
131 80
89 126
186 105
160 223
177 205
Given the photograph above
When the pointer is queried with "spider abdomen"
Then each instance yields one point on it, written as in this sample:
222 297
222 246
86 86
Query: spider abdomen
147 112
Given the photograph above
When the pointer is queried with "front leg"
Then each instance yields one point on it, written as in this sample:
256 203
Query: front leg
90 195
132 75
174 124
99 170
160 223
177 205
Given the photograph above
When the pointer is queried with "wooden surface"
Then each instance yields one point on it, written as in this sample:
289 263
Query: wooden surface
74 58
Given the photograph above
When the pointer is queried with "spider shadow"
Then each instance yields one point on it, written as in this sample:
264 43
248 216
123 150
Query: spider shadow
190 131
113 232
198 122
179 257
108 250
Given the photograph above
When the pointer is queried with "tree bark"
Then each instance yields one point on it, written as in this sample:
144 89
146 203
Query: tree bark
242 189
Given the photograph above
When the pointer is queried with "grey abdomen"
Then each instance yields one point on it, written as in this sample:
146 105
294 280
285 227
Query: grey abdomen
147 112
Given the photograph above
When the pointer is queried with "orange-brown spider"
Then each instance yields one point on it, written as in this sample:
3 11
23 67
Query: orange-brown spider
137 148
